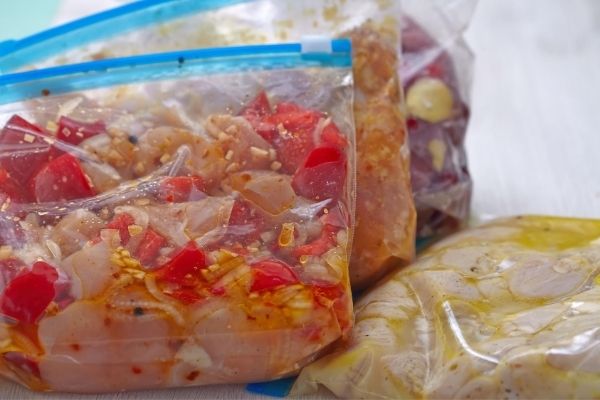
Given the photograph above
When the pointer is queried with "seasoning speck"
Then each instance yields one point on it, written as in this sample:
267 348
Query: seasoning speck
132 139
138 311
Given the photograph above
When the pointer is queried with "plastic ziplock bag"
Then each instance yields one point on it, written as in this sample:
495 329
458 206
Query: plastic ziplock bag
436 74
507 310
159 215
385 229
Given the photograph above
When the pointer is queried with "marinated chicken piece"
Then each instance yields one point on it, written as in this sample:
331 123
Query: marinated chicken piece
74 230
483 314
90 270
270 191
91 348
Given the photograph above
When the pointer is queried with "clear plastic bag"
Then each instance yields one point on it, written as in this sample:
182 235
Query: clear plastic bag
175 219
386 219
436 74
507 310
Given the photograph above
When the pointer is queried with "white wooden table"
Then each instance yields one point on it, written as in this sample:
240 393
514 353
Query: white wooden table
534 139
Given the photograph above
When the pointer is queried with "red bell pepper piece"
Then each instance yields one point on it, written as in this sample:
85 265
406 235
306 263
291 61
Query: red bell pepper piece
184 268
121 222
245 223
149 247
332 136
322 175
74 132
60 180
27 295
291 133
270 274
11 189
257 108
286 107
23 149
178 189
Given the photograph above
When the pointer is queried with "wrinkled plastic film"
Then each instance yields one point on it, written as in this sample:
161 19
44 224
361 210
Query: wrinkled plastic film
385 210
184 230
436 74
483 314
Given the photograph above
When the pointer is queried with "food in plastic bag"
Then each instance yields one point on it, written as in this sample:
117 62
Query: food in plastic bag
385 215
507 310
175 219
436 74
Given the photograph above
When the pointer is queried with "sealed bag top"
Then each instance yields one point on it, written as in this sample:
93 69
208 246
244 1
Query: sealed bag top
385 230
175 219
484 314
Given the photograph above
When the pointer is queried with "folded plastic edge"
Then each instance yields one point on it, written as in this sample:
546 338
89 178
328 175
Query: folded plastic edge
94 74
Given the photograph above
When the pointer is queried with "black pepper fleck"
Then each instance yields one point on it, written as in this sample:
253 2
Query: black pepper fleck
132 139
138 311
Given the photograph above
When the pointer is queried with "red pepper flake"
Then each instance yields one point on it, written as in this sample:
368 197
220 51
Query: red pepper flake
75 346
136 370
192 375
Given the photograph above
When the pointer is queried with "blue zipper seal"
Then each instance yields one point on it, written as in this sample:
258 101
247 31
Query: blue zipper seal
124 70
15 54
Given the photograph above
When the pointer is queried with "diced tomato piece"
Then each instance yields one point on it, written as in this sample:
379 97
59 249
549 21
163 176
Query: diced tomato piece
322 175
257 107
270 274
23 362
186 295
27 295
184 268
332 136
60 180
295 141
121 223
179 189
74 132
149 247
23 149
11 189
290 130
319 245
245 223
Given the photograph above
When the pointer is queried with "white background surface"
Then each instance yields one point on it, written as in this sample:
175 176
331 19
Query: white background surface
534 139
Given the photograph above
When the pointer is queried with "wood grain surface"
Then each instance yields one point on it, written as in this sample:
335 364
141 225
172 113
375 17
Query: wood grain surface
534 138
